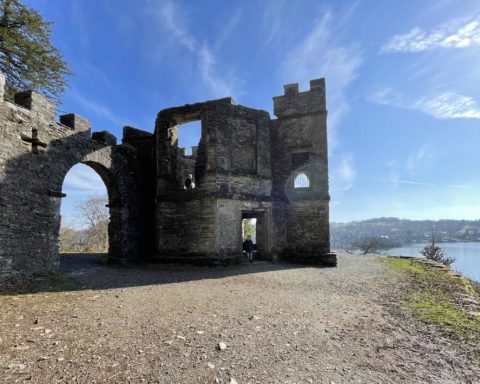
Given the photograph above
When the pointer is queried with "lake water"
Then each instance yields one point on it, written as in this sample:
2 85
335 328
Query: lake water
467 255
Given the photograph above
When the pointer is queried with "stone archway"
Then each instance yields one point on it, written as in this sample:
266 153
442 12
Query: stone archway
118 216
35 155
112 166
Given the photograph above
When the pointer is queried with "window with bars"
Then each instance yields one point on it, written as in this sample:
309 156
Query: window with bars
301 181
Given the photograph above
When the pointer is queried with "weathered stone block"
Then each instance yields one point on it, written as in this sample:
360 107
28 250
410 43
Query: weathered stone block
105 137
37 103
76 122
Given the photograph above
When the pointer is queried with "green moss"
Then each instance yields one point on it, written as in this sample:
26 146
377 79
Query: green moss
432 294
435 307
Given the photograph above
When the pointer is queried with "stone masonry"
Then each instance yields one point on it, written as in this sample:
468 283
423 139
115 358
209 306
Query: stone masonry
246 165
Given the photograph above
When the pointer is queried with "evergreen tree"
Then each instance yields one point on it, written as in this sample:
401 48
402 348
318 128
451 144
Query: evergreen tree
27 58
434 252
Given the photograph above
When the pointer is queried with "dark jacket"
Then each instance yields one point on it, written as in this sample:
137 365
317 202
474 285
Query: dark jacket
248 246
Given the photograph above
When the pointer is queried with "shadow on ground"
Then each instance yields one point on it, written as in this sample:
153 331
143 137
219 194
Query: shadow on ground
84 271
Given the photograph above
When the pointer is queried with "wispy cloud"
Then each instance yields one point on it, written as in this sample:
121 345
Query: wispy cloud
98 109
449 105
219 83
442 105
410 182
82 180
459 33
343 175
418 158
460 186
272 22
319 55
229 28
396 172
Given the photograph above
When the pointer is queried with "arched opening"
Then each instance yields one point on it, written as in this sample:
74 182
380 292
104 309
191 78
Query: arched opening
90 216
301 181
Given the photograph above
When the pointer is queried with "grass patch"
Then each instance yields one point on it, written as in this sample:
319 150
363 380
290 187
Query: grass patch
433 297
407 265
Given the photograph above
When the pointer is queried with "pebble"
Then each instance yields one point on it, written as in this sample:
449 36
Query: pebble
20 347
221 346
17 367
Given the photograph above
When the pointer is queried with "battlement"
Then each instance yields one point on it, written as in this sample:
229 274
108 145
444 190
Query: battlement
40 107
294 103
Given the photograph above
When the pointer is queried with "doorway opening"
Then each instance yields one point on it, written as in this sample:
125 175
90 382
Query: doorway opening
255 224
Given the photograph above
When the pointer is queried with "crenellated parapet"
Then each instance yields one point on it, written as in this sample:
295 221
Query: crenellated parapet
295 103
30 106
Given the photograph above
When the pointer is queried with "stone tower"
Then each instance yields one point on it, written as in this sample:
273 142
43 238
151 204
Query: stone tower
300 174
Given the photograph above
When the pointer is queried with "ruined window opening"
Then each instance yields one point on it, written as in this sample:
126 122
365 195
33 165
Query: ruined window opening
301 181
189 137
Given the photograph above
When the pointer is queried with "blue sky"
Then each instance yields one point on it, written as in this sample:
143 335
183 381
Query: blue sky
402 85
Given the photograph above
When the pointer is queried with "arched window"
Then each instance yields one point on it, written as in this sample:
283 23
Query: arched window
301 181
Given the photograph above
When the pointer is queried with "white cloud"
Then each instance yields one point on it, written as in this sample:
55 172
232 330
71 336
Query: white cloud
318 55
442 105
388 97
459 33
449 105
219 83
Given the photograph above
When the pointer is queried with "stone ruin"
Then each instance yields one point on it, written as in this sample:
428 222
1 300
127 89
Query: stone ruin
246 165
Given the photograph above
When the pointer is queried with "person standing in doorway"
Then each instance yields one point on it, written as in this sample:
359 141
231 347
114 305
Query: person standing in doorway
189 184
248 248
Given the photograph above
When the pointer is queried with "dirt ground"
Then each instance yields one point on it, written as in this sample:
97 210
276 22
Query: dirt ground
275 323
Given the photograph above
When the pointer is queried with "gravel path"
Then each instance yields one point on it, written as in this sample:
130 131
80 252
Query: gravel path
279 324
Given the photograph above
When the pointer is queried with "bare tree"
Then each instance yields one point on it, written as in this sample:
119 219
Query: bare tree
93 236
95 216
370 244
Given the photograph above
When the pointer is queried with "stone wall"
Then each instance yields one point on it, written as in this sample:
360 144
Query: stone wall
232 173
244 167
35 155
246 164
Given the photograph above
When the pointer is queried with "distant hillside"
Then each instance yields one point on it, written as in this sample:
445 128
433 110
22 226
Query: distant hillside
401 231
